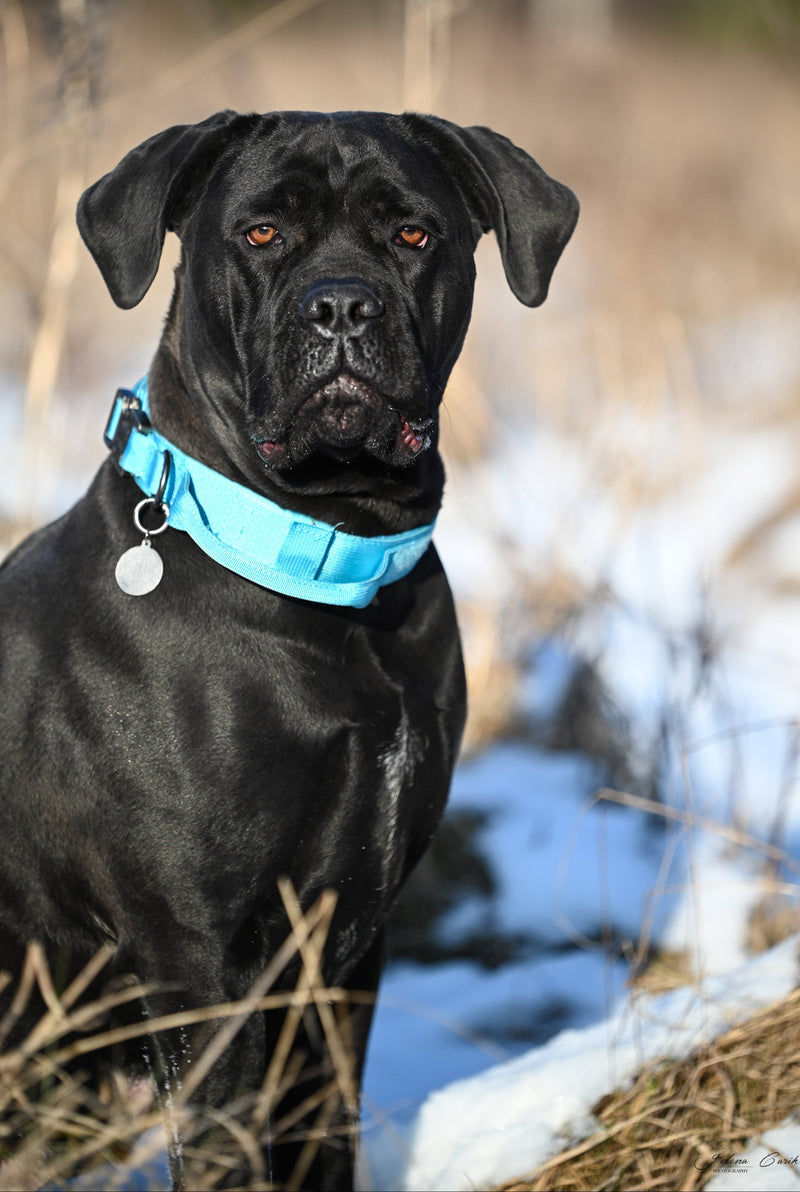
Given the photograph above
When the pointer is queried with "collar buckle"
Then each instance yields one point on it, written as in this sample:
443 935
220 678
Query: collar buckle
127 415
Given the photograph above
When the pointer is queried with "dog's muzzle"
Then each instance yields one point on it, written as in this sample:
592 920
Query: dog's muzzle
352 408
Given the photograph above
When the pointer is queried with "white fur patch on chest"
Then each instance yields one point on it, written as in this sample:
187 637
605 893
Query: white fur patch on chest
399 760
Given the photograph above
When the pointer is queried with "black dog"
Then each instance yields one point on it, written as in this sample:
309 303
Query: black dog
268 706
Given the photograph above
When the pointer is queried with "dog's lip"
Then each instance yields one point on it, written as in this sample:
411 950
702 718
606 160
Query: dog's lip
270 450
343 388
413 434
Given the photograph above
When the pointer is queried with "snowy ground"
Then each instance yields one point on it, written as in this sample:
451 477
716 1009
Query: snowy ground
500 1124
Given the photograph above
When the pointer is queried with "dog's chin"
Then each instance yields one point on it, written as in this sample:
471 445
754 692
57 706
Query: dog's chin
344 419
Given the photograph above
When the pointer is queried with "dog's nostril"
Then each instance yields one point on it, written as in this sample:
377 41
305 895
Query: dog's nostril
340 307
367 307
316 309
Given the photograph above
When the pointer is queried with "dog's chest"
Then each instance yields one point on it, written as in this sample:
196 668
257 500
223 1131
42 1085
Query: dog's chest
334 773
300 745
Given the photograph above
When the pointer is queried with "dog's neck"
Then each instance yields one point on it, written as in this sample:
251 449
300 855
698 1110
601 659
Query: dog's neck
364 496
243 530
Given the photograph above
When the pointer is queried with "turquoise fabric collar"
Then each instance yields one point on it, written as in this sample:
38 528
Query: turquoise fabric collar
251 535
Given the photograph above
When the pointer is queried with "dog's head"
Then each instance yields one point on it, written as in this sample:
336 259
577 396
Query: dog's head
326 279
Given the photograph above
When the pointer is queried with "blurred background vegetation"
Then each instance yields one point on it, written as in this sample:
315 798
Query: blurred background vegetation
669 339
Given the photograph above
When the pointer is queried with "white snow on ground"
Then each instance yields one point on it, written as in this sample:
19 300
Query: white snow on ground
503 1122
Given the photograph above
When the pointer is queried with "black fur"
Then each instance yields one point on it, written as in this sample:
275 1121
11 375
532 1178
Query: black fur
165 759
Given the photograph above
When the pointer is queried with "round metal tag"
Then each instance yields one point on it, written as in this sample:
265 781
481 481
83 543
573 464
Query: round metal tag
139 570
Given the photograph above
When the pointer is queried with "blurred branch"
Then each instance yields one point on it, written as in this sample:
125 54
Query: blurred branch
690 819
16 80
428 26
63 257
16 75
211 56
151 91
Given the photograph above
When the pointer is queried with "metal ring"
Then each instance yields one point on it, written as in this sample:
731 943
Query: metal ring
142 529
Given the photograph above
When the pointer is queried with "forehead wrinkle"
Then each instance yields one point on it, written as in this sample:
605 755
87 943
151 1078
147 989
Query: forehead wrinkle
362 173
335 166
349 154
293 191
307 170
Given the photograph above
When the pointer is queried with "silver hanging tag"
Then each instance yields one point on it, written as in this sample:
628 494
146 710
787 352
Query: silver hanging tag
139 570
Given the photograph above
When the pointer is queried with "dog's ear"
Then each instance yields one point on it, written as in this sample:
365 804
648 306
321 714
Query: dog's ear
532 215
124 216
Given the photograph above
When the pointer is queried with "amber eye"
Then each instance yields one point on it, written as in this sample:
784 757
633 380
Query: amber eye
413 237
263 234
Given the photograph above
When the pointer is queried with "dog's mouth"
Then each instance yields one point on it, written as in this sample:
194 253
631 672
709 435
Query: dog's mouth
342 418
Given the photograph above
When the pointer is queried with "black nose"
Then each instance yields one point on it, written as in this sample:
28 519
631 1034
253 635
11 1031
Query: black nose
340 307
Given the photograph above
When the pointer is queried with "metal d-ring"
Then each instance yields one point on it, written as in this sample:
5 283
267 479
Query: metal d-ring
156 504
162 484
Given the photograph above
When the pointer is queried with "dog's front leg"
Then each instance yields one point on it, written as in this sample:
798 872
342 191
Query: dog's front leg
207 1068
314 1120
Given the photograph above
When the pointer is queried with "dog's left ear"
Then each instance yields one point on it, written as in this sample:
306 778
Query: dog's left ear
532 215
124 216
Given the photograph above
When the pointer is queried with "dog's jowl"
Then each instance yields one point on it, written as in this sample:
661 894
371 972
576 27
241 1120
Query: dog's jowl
236 659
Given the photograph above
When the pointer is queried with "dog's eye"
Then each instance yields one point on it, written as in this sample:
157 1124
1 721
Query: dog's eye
413 237
263 234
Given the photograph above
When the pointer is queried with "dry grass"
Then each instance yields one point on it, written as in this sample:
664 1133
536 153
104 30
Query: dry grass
53 1125
668 1130
774 917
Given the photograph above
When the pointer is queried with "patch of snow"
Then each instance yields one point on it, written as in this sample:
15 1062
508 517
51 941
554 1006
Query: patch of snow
506 1121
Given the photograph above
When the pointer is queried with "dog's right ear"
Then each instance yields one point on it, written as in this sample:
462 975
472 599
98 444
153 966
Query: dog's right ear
124 216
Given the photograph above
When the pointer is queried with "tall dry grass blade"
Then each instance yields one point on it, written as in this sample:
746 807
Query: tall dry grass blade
19 1002
281 1075
218 1044
312 953
247 1141
316 1137
84 979
695 820
270 1091
285 1124
274 1083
